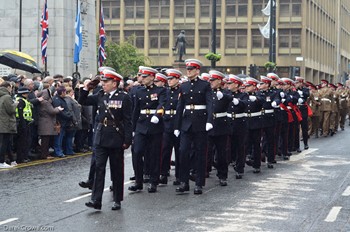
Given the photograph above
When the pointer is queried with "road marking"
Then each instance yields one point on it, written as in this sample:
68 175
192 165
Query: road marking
89 194
8 220
332 216
346 192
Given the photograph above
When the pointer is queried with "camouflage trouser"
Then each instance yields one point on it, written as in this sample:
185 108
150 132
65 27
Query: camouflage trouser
325 122
334 121
342 117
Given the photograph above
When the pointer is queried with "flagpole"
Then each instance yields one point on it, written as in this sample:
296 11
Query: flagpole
76 64
213 32
99 22
272 45
20 25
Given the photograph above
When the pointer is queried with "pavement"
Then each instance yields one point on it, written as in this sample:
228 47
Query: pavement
310 192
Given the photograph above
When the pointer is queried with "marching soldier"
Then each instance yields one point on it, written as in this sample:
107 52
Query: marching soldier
194 118
113 135
334 118
219 134
343 108
314 102
304 94
238 123
170 141
148 126
326 106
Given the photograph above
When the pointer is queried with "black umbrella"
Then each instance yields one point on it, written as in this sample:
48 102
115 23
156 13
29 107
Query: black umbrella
19 60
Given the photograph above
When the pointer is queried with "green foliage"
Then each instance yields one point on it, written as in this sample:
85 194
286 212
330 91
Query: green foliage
270 66
124 57
213 56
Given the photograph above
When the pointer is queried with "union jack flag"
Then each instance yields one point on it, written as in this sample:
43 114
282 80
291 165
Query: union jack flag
44 23
102 39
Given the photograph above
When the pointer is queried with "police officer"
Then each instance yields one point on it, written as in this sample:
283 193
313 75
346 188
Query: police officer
218 136
24 117
113 135
170 141
148 127
194 118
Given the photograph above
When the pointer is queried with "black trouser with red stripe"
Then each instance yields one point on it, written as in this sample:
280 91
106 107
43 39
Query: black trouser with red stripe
220 144
116 162
199 140
270 143
238 144
170 141
152 142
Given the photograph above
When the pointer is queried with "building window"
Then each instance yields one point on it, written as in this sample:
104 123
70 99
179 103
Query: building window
137 37
258 5
185 8
189 37
134 9
236 38
236 8
159 8
289 38
206 8
205 39
258 41
111 9
159 39
289 8
113 36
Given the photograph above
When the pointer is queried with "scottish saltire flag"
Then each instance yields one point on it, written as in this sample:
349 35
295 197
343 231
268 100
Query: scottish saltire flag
44 23
101 44
78 36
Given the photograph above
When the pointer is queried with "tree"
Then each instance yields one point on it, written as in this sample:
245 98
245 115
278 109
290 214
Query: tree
124 57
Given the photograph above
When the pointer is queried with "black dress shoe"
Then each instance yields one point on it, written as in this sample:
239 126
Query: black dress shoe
85 184
306 147
176 182
249 162
132 178
183 187
256 170
135 187
298 150
116 205
274 162
285 157
152 188
163 180
192 177
269 165
223 182
94 204
198 190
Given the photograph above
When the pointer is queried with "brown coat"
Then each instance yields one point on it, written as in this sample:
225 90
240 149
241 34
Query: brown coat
47 115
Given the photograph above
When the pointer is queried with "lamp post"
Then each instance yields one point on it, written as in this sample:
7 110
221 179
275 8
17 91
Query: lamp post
213 32
20 26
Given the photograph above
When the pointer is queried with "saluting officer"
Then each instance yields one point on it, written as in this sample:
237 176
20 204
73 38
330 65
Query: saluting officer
194 118
170 141
113 135
148 127
218 136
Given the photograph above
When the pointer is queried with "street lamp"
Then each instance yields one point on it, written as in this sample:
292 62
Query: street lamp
213 32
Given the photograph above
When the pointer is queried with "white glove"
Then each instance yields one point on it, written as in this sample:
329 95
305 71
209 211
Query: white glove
252 98
283 100
176 133
235 101
274 104
300 101
154 120
282 95
208 126
219 95
133 134
300 93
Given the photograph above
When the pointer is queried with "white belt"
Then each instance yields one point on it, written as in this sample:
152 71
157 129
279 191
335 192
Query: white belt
325 99
254 114
170 112
342 99
289 107
148 111
270 111
233 115
220 115
281 108
195 107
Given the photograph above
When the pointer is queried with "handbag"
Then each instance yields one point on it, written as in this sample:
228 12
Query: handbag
57 127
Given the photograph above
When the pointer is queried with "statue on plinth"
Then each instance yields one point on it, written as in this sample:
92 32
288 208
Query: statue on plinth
180 44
